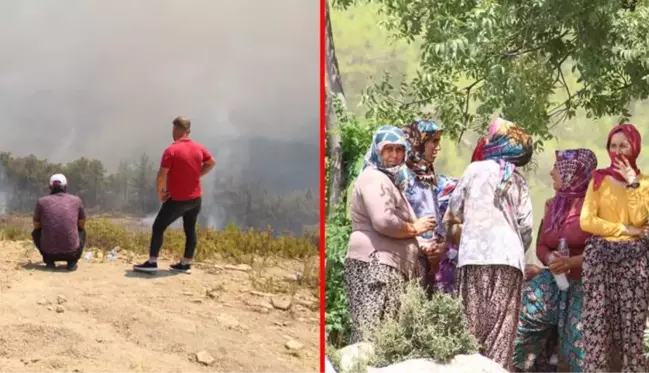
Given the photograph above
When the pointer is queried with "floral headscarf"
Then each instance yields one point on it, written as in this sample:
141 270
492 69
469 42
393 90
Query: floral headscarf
445 187
385 135
508 144
575 166
418 134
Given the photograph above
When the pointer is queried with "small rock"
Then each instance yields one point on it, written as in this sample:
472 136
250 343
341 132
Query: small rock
227 321
60 299
313 306
60 309
260 304
204 358
197 300
260 294
213 294
239 267
43 302
188 293
261 310
293 345
281 303
49 308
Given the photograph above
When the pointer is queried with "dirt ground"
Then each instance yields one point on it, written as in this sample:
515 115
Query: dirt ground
103 317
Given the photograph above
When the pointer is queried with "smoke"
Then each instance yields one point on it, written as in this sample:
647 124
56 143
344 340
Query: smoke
104 80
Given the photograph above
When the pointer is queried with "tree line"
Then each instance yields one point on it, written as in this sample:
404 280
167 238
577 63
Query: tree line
130 190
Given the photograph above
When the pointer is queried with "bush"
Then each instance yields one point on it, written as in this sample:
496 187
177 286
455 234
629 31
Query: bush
433 329
337 322
233 244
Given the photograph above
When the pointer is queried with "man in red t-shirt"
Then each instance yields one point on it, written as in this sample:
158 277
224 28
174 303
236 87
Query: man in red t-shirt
183 164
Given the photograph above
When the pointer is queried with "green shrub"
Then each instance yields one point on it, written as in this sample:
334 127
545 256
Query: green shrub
337 322
433 329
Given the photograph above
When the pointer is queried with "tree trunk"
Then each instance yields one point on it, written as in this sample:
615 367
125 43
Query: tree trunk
333 88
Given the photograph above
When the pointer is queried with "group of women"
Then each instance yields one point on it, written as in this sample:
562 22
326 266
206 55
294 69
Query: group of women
468 237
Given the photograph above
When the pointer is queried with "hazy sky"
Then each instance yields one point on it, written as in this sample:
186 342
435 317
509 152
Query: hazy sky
104 79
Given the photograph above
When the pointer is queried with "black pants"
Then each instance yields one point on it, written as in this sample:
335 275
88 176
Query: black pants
169 213
71 257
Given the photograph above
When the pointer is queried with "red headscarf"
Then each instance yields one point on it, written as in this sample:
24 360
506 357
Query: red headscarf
635 140
477 152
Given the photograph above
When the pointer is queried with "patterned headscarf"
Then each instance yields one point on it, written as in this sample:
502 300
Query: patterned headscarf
385 135
575 166
508 144
418 134
445 187
635 140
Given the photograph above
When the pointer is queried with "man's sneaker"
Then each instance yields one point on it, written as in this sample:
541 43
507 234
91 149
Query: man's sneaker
180 267
72 266
146 267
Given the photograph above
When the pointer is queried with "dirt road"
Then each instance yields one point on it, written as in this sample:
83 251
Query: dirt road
103 317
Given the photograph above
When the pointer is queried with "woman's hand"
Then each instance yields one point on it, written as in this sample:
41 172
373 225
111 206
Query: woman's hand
531 271
635 232
623 167
559 264
425 224
435 251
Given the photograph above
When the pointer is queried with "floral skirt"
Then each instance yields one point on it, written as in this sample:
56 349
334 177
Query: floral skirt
491 295
373 293
549 319
616 298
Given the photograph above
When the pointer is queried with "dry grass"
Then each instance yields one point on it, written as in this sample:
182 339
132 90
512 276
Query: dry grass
261 250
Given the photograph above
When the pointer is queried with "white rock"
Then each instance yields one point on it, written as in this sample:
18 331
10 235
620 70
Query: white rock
460 364
281 303
361 353
353 354
329 368
204 358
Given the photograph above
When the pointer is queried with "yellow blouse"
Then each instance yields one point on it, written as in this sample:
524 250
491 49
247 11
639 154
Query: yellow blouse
612 206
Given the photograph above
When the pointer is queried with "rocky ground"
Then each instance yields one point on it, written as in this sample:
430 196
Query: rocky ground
103 317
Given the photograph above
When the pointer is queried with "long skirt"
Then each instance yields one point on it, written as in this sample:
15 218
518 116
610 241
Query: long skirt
548 313
373 293
616 297
491 295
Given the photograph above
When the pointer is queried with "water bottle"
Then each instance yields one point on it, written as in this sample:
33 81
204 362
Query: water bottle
113 254
562 280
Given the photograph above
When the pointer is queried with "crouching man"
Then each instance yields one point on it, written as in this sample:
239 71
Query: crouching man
59 222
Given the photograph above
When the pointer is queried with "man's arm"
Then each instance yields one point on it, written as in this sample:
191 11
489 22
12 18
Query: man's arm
82 216
37 216
161 181
208 165
208 162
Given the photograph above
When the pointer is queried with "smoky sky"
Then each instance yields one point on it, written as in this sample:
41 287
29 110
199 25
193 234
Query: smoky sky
104 79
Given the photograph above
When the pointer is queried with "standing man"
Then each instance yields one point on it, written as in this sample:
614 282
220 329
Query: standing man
179 188
59 221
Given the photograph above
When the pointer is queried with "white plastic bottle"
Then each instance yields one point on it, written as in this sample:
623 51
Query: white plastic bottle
562 280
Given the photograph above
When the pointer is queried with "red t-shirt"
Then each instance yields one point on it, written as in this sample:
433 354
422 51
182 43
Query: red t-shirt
184 159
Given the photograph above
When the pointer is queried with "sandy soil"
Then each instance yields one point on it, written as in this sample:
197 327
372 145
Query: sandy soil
103 317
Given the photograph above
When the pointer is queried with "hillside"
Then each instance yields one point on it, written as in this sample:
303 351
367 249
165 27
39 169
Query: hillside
103 317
